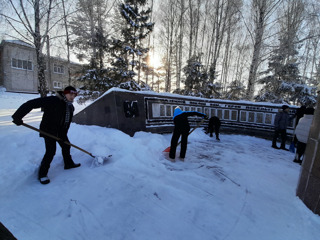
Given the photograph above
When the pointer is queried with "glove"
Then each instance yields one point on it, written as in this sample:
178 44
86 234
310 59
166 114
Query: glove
206 117
18 122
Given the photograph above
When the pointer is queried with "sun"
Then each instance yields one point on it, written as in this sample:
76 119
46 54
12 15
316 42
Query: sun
154 60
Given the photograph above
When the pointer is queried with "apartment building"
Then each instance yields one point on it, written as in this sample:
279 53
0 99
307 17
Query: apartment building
18 69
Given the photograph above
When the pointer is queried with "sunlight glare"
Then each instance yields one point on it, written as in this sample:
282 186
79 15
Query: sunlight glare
154 60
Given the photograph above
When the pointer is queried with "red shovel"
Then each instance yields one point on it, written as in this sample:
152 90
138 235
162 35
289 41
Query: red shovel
198 125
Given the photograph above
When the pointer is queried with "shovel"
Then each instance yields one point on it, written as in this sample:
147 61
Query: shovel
198 125
96 161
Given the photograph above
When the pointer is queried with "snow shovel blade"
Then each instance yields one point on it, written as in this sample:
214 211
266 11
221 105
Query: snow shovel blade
292 148
167 149
99 161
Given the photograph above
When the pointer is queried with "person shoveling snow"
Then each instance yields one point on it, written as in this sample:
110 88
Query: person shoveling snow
57 116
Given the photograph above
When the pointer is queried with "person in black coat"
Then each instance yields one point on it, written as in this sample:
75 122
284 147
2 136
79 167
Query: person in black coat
57 116
281 122
214 125
181 128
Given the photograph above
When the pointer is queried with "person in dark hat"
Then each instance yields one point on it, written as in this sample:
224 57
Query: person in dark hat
57 116
281 122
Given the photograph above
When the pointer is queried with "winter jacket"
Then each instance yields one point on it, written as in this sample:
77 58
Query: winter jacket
214 121
180 119
54 114
303 128
281 121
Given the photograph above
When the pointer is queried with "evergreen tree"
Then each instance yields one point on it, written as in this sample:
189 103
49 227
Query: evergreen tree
210 88
282 82
128 52
194 78
236 91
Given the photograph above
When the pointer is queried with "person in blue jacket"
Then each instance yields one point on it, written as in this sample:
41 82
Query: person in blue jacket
181 128
57 116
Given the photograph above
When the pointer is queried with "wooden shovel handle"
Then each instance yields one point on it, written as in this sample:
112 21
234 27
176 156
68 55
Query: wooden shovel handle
56 138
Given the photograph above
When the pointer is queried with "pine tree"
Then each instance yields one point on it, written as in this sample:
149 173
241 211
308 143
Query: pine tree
195 78
128 52
236 91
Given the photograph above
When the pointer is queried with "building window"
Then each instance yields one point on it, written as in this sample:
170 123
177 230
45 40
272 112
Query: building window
58 69
21 64
57 85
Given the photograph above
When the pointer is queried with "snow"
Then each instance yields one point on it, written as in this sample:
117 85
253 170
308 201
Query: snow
238 188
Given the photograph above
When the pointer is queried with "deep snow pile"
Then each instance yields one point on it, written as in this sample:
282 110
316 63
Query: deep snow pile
239 188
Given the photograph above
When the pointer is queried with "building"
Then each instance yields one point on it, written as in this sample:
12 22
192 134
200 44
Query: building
18 69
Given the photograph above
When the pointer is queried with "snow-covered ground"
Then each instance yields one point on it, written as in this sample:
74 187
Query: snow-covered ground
239 188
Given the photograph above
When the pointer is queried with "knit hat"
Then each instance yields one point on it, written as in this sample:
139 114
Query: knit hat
70 89
284 107
177 111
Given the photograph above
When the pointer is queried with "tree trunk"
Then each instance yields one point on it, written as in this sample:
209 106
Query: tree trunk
39 56
191 29
259 30
180 44
67 40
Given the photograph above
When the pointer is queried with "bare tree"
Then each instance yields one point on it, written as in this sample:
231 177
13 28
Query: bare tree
261 11
67 38
179 44
168 34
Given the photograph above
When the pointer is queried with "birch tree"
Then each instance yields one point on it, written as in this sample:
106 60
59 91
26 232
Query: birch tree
169 22
222 12
261 11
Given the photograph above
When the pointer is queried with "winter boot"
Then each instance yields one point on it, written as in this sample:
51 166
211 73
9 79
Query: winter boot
75 165
44 180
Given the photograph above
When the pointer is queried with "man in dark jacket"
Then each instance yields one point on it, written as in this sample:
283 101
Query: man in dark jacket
57 116
181 127
214 125
281 122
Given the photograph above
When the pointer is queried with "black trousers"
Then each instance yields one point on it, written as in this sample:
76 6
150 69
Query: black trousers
216 131
174 142
301 147
50 152
283 134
